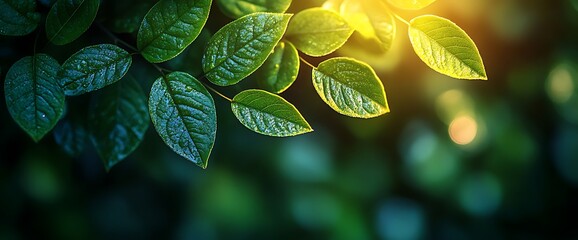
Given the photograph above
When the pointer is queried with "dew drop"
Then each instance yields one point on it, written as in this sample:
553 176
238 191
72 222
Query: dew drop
189 89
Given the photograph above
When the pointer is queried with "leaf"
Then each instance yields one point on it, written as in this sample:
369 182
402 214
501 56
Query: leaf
33 96
372 19
184 115
68 19
446 48
191 60
239 8
280 70
118 120
18 17
268 114
411 4
126 16
70 134
350 87
318 32
242 46
93 68
170 26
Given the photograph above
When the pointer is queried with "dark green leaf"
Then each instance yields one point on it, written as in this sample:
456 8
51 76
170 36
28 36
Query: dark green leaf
18 17
93 68
242 46
127 15
268 114
318 32
170 26
118 120
68 19
350 87
33 96
281 68
184 115
239 8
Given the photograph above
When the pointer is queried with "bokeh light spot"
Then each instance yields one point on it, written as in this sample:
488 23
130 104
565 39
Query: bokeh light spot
560 85
480 194
463 130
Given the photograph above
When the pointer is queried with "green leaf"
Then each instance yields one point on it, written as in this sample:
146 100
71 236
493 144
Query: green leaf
126 16
371 19
268 114
242 46
68 19
281 68
70 134
183 113
411 4
350 87
93 68
33 96
170 26
191 60
118 120
239 8
18 17
446 48
318 32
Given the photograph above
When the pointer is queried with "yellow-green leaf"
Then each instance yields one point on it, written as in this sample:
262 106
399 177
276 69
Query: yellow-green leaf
268 114
446 48
411 4
318 32
371 19
350 87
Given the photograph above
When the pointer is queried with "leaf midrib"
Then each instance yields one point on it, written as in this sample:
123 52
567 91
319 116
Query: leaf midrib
335 79
264 32
88 73
423 33
270 114
168 26
67 20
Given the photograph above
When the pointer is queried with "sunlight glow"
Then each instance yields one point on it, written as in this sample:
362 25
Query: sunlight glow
463 130
560 84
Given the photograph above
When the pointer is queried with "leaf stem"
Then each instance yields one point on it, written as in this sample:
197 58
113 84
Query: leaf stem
115 38
307 63
217 92
400 18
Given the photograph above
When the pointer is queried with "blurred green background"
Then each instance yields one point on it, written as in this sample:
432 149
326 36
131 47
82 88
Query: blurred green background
455 159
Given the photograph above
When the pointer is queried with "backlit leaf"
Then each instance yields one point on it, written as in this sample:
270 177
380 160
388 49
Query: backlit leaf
318 32
446 48
268 114
118 120
170 26
18 17
68 19
239 8
281 68
411 4
93 68
242 46
33 96
184 115
371 19
350 87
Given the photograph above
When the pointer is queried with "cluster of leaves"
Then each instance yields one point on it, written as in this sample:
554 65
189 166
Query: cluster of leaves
262 40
